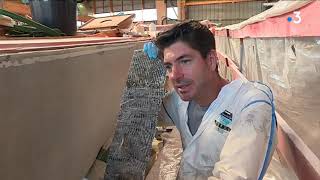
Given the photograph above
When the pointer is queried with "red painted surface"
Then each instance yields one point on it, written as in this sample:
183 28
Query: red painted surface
292 151
280 27
220 32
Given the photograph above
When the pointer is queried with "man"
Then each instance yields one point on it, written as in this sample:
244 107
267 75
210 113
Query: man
227 128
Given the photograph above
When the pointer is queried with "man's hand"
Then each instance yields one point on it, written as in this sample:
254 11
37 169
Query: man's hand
151 50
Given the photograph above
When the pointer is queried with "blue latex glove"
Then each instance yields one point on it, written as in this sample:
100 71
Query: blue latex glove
151 50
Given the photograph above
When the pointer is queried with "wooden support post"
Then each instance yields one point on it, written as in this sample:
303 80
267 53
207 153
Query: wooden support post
132 5
181 9
161 10
94 7
121 5
111 6
103 6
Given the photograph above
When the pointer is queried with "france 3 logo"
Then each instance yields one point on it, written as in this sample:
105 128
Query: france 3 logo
296 19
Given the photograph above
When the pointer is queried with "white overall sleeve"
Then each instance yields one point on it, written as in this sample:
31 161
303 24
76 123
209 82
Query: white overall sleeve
244 152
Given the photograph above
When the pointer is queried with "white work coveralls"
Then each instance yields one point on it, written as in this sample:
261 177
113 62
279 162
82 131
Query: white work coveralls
227 148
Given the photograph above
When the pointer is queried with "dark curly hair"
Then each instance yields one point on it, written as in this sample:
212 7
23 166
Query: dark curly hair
193 33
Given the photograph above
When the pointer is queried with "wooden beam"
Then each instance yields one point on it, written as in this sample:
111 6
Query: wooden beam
181 9
84 18
196 3
142 4
161 10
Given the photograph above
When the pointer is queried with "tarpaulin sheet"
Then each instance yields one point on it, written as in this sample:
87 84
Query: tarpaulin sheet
290 66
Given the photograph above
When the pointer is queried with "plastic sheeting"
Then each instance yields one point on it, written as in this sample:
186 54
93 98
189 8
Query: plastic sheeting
291 67
229 47
277 171
167 164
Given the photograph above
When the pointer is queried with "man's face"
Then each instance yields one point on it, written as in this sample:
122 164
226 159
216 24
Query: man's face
187 70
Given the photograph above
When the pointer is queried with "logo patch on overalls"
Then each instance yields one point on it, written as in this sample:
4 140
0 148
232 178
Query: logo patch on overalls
224 120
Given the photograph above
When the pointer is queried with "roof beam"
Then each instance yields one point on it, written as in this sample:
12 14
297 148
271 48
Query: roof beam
195 3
